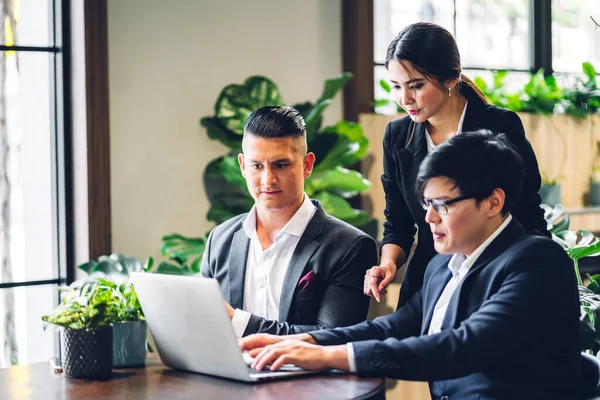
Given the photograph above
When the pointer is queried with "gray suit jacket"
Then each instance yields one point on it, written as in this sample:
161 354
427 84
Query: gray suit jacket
323 286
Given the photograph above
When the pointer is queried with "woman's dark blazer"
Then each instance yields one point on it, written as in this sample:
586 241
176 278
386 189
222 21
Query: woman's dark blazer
402 156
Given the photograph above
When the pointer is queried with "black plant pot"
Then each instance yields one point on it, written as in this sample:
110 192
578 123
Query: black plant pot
87 353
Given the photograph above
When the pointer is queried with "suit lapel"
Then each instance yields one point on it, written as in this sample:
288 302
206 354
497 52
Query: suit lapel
435 287
237 267
473 115
497 247
305 248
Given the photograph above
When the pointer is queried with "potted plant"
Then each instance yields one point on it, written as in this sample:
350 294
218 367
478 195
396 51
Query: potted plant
129 327
86 338
550 190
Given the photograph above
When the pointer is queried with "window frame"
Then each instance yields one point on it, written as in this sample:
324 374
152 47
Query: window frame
61 139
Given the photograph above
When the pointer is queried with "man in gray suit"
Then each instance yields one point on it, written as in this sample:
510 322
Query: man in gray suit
286 266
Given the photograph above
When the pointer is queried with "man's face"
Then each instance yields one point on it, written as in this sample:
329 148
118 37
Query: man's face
465 226
275 170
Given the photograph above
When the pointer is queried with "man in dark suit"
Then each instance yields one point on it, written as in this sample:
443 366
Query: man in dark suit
286 266
498 314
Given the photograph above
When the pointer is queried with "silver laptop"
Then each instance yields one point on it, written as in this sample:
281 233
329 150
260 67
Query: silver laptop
192 330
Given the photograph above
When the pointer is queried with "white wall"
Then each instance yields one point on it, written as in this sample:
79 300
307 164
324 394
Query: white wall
168 62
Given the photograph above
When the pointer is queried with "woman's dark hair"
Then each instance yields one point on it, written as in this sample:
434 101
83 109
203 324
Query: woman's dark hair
433 52
477 162
275 122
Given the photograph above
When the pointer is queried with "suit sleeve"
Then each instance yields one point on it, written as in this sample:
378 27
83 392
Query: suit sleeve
403 323
399 226
205 269
502 327
343 301
527 210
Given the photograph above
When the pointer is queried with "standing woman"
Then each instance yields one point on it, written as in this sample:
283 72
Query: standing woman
423 65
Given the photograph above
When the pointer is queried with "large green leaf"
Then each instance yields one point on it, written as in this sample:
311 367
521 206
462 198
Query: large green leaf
314 118
236 102
217 131
230 170
116 266
350 147
228 206
349 182
184 249
170 268
227 199
589 70
334 85
338 207
313 114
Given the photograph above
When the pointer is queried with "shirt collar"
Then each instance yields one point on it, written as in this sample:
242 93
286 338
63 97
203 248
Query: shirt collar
295 226
460 262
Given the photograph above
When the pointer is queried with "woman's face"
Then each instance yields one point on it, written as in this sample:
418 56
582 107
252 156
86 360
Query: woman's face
419 97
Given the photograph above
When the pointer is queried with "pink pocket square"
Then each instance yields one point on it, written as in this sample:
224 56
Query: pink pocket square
306 280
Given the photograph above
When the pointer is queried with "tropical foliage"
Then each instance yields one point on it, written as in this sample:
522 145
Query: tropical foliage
579 244
337 148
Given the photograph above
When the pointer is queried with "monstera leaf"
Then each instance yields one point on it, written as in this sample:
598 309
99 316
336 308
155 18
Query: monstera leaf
216 131
338 207
236 102
344 182
115 266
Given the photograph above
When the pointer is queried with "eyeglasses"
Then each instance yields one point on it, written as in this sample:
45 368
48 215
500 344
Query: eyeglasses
441 206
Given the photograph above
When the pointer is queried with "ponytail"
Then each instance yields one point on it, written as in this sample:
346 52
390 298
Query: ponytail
467 88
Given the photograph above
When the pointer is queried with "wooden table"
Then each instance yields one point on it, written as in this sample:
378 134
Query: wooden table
37 381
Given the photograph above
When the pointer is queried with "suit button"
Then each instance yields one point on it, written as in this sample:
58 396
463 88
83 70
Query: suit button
444 398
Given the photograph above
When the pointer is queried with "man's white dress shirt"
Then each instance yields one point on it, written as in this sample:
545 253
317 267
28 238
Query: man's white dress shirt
266 269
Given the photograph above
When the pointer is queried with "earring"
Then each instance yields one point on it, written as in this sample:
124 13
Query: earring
449 92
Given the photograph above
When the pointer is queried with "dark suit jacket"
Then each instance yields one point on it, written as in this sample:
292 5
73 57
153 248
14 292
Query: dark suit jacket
337 253
402 156
511 330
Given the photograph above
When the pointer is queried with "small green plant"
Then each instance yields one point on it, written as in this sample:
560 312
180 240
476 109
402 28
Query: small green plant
95 302
546 181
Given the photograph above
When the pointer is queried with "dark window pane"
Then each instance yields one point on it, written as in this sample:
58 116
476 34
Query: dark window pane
493 34
575 37
21 326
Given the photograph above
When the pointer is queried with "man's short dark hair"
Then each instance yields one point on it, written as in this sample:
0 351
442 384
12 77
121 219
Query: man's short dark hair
275 122
477 162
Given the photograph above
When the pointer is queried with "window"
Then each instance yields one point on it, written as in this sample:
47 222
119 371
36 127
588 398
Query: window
32 179
575 36
494 34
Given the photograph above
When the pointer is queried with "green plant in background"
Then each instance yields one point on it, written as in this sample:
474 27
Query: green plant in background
337 148
584 97
579 244
540 95
114 266
547 181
